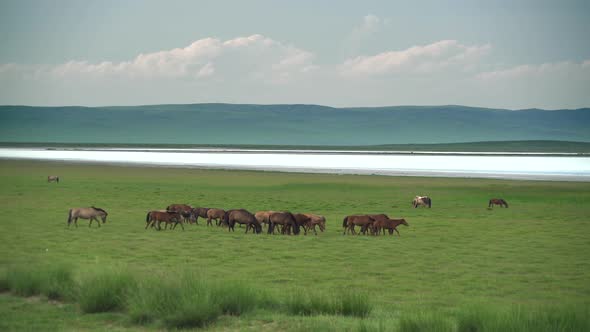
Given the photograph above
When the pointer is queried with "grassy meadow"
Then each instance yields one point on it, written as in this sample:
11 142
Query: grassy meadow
456 266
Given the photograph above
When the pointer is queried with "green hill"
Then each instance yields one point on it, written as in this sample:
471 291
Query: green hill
307 125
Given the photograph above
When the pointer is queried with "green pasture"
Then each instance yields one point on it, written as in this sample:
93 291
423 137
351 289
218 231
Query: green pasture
457 256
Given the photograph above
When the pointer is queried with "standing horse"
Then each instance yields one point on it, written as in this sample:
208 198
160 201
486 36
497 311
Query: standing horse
163 216
185 210
216 214
242 217
87 213
262 216
497 201
363 220
53 178
422 200
302 220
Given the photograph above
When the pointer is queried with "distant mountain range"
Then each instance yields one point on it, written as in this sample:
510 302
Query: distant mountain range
245 124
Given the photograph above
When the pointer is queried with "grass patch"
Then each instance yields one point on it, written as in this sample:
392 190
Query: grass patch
346 304
425 322
236 298
24 281
105 291
58 283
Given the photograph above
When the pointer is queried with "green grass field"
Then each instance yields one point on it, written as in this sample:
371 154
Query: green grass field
453 258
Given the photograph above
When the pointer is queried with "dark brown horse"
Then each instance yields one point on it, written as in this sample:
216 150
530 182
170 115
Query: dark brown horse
286 219
87 213
302 220
168 217
362 220
216 214
389 224
184 209
243 217
497 201
199 212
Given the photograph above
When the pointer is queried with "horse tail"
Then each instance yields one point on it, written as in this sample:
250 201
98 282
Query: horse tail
70 216
345 221
296 229
57 179
490 203
147 217
429 202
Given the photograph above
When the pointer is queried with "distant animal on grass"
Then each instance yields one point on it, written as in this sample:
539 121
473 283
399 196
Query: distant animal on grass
215 214
362 220
497 201
389 224
184 209
286 219
154 218
243 217
87 213
422 201
53 178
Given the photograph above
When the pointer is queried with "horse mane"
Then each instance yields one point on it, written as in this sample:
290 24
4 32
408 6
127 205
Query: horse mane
98 209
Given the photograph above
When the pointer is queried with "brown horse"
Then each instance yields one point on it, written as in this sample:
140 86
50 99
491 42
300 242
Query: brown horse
422 201
242 217
87 213
302 220
156 217
362 220
497 201
262 216
53 178
389 224
314 220
286 219
199 212
216 214
184 209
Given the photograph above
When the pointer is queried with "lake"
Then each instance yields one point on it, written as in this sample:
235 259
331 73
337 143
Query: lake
489 165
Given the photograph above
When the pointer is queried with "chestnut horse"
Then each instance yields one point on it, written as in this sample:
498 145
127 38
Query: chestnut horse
389 224
314 220
216 214
497 201
362 220
156 217
185 210
87 213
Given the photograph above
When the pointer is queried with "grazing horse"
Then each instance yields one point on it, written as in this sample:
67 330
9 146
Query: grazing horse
389 224
199 212
286 219
87 213
262 216
314 220
53 178
497 201
216 214
163 216
242 217
422 200
302 220
185 210
362 220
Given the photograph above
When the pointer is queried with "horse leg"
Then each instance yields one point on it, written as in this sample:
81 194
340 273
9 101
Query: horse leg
181 226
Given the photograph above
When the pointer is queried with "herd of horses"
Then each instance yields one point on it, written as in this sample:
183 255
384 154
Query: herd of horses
283 222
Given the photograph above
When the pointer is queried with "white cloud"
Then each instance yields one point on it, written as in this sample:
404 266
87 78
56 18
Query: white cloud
417 59
551 70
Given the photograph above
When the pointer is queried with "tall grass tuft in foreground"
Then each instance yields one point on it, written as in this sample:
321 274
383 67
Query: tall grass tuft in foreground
236 298
516 319
105 291
58 283
425 322
181 303
346 304
24 281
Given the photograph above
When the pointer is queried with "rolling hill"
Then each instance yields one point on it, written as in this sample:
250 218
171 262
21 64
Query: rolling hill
247 124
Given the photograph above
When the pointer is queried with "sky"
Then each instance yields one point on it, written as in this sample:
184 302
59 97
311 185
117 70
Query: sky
497 54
